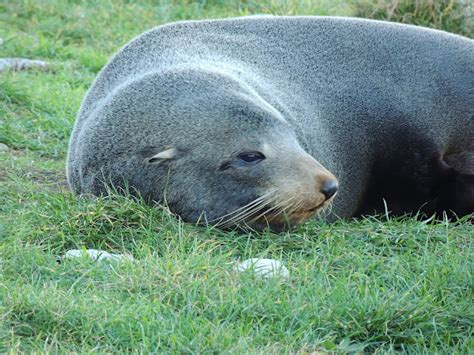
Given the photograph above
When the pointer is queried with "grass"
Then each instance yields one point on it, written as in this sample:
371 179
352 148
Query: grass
449 15
372 285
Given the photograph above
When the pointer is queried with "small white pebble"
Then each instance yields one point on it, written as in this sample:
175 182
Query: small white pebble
96 255
4 147
264 267
21 64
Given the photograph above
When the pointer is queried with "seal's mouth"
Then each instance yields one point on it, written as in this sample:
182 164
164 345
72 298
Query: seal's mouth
316 208
279 222
267 213
320 207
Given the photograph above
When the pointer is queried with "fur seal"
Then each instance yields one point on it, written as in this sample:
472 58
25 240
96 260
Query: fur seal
250 120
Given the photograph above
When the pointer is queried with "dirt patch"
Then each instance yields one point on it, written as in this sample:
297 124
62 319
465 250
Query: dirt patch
51 178
28 165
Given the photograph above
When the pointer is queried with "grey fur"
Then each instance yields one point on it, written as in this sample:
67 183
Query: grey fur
343 90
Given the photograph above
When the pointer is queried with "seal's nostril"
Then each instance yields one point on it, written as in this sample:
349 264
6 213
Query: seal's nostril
329 188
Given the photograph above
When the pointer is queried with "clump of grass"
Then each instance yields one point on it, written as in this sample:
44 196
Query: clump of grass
454 16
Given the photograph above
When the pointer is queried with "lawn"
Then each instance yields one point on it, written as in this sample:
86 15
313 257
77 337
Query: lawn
374 285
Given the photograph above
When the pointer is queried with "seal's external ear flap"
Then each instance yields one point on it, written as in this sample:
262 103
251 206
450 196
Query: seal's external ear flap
164 155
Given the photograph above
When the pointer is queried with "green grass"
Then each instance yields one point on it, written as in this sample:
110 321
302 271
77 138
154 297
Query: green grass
449 15
368 285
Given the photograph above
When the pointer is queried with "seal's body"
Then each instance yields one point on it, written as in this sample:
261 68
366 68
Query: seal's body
247 120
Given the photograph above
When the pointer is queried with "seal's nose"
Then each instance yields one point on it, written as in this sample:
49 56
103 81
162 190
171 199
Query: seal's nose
329 188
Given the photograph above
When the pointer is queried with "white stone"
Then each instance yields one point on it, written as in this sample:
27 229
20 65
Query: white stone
21 64
96 255
264 267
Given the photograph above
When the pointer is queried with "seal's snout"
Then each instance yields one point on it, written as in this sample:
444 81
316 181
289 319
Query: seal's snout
329 188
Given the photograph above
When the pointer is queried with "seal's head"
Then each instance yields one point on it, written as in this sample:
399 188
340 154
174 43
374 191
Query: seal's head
228 158
206 144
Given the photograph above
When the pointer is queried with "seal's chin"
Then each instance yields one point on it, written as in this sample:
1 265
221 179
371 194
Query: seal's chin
280 222
268 213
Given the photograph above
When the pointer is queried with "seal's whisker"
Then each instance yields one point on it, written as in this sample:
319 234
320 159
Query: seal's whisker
250 211
254 209
238 212
282 211
326 211
246 210
291 208
296 206
275 207
244 214
286 207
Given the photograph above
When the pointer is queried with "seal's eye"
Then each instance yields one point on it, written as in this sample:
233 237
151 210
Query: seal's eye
242 160
251 157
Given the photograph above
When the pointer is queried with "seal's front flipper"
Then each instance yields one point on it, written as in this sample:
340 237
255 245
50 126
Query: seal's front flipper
455 194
